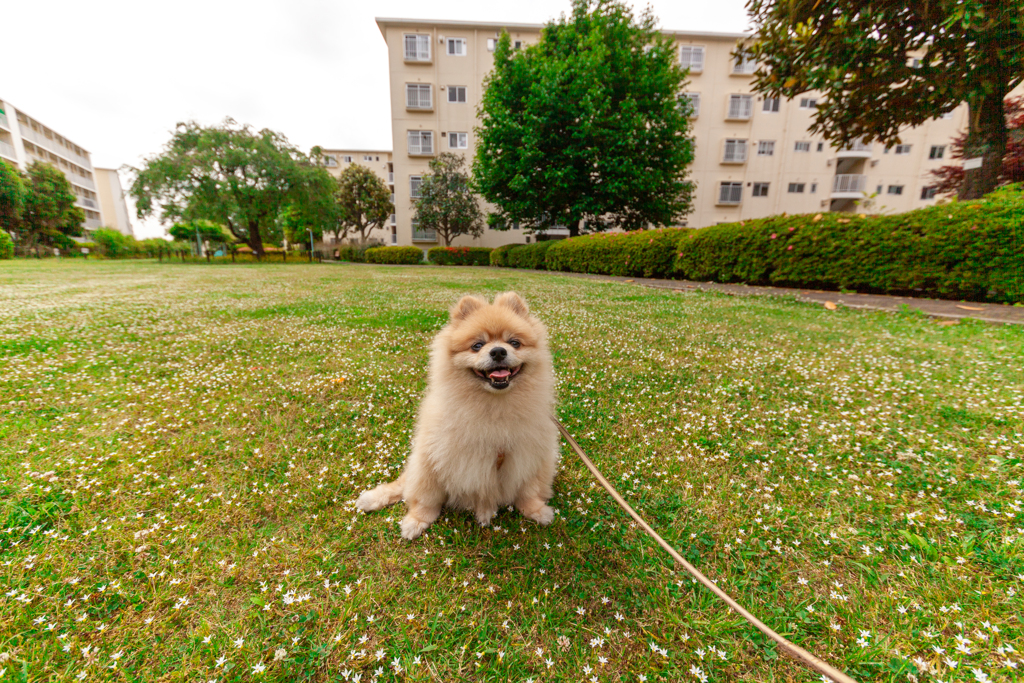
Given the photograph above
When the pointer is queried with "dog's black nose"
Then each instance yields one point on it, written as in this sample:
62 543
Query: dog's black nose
498 353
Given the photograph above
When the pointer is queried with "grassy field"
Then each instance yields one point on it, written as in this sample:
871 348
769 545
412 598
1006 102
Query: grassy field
181 447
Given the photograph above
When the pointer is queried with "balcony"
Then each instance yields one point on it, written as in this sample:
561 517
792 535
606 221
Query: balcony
849 186
391 177
857 150
86 202
7 150
424 235
4 123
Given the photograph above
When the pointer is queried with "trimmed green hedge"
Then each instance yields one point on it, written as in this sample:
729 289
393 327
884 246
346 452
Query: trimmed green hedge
460 256
499 256
961 250
402 255
530 255
6 245
643 253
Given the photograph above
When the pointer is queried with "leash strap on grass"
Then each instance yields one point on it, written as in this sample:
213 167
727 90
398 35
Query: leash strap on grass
794 651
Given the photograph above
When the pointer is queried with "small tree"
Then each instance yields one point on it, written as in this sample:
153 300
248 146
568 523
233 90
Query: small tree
12 196
950 178
584 129
49 215
228 174
858 54
364 201
446 203
114 244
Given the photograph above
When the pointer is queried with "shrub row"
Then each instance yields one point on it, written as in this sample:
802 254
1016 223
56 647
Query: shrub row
960 250
6 245
460 256
400 255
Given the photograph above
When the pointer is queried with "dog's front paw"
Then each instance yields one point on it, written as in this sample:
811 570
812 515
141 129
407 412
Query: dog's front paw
484 517
369 501
543 515
412 527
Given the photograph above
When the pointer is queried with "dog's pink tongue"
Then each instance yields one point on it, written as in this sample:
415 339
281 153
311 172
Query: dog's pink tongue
499 373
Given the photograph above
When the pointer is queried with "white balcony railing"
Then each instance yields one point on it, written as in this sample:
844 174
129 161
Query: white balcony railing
391 177
424 235
858 147
849 184
85 201
4 122
7 150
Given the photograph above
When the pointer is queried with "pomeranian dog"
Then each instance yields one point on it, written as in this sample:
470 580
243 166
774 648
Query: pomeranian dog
484 436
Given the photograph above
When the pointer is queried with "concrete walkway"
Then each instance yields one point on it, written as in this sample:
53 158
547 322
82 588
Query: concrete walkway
935 308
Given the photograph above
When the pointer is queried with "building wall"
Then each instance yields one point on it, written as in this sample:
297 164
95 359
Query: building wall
113 208
26 140
898 176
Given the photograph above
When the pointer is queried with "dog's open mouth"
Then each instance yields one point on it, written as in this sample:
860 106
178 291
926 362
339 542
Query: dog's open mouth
498 377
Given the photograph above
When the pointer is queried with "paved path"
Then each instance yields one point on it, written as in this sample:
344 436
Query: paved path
936 308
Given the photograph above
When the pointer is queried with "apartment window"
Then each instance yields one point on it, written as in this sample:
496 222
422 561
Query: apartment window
740 106
903 149
457 93
878 190
518 44
937 152
928 192
347 159
730 193
808 102
458 140
367 157
914 63
421 142
760 190
415 181
491 42
771 104
814 188
693 98
802 146
821 146
744 65
330 160
895 189
417 96
457 47
735 151
691 57
417 47
796 188
766 148
947 115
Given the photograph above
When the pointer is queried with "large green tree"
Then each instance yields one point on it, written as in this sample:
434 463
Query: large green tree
12 196
364 200
446 203
884 65
584 128
49 216
228 174
202 229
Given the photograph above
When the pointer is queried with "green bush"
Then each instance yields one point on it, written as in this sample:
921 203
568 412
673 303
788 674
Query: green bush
114 244
347 252
530 255
499 256
460 256
6 245
643 253
961 250
403 255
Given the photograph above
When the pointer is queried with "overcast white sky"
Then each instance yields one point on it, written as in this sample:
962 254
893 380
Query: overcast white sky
114 76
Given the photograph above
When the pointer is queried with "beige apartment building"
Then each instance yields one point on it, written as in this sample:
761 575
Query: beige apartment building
24 139
113 208
754 155
378 161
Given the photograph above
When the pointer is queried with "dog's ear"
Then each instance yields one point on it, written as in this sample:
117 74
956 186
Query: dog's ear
514 302
466 305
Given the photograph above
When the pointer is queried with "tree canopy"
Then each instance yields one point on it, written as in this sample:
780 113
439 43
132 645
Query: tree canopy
584 129
884 65
228 174
364 201
208 231
49 216
12 196
446 203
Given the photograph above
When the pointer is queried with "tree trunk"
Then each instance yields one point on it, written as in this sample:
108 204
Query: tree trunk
574 228
255 239
986 138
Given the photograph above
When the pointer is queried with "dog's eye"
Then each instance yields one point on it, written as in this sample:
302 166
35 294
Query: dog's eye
477 346
514 343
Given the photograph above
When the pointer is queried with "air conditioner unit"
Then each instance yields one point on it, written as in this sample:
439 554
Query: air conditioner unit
828 163
874 162
440 39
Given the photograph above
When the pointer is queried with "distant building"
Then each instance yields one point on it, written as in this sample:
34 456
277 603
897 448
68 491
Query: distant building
378 161
113 208
754 155
24 140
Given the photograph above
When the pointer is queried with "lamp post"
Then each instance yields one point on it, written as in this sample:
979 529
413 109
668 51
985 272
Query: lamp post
311 245
199 243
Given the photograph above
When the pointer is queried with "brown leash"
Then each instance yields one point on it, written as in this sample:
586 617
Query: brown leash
789 648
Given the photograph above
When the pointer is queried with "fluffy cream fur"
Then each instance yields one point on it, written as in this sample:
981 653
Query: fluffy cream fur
484 436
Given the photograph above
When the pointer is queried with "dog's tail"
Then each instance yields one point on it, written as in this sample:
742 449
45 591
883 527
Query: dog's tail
382 496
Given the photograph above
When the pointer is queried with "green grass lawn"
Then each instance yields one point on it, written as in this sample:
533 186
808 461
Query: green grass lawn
181 447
